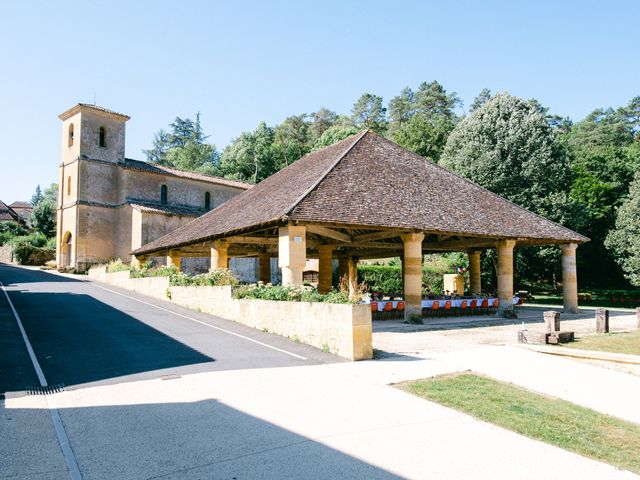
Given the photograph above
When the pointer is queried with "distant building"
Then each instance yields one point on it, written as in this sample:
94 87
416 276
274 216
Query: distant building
8 214
23 209
109 205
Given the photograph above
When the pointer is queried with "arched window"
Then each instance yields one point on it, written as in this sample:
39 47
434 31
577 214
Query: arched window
69 185
70 142
102 134
163 194
207 201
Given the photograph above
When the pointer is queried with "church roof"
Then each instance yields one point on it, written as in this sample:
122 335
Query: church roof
9 214
369 181
182 211
160 169
76 108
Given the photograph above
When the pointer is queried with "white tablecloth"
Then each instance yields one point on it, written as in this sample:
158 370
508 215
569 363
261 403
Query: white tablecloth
454 303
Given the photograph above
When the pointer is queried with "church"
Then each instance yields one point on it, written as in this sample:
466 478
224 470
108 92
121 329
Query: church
110 205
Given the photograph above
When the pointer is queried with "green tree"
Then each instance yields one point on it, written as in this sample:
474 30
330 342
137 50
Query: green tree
508 147
43 218
334 135
624 239
37 197
292 139
184 147
368 112
251 156
422 121
483 97
321 121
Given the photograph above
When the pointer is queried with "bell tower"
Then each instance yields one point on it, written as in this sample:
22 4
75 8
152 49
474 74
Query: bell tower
93 147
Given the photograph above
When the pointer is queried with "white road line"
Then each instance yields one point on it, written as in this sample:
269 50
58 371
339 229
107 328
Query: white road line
202 323
61 433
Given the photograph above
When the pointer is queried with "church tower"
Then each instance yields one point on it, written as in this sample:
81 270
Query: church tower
93 145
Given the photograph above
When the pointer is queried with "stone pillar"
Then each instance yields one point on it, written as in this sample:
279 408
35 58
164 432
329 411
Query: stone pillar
292 253
412 273
474 272
173 258
505 275
352 272
219 257
569 277
638 317
264 267
343 267
552 321
325 267
137 261
602 320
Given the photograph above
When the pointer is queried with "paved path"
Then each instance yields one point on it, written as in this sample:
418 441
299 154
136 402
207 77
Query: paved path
306 419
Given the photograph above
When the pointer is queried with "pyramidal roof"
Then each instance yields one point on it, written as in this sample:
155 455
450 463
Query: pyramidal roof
369 181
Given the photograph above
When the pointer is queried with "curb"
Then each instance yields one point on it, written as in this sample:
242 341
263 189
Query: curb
585 354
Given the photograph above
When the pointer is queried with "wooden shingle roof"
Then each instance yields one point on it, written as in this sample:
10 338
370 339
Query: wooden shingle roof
9 214
369 181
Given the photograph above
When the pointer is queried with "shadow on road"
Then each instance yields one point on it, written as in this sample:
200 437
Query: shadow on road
202 439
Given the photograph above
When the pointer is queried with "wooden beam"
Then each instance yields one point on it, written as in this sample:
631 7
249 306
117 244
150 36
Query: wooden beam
328 232
253 240
376 245
384 234
458 244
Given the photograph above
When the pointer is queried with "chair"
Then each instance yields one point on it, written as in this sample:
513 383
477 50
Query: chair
473 307
388 308
484 306
400 309
374 309
447 308
496 305
519 303
435 307
463 307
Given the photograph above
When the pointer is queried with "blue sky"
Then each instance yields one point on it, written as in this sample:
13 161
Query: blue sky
242 62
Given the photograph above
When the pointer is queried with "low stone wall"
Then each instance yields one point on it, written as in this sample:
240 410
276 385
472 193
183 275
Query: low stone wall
342 329
5 254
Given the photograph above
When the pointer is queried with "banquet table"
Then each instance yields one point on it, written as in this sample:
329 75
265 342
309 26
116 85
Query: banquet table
429 303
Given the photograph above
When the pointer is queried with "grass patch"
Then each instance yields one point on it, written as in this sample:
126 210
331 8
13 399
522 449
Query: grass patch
557 422
627 342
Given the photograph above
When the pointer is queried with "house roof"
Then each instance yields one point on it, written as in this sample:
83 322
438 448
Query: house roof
369 181
131 164
183 211
19 204
8 214
76 108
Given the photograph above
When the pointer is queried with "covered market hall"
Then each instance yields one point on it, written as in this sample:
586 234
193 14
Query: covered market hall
365 198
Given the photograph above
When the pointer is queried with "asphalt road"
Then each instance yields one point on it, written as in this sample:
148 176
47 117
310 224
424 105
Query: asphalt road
85 333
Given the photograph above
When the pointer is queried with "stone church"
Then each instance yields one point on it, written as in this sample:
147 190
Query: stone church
110 205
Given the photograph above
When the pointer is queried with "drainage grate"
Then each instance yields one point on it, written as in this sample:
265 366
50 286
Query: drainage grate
48 390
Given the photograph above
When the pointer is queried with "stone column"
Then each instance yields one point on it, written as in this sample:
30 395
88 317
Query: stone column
292 253
138 261
219 257
343 267
173 258
505 275
264 267
569 277
474 272
352 267
412 273
325 267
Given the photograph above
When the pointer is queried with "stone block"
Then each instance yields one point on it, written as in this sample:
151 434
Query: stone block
602 320
552 321
560 337
529 336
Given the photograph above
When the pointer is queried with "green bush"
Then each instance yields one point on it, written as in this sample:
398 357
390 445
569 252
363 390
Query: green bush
148 270
9 230
388 279
215 277
31 249
117 266
290 294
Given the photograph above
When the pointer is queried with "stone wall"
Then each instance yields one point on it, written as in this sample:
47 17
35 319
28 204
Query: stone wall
5 254
342 329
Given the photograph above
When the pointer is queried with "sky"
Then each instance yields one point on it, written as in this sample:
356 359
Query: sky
241 62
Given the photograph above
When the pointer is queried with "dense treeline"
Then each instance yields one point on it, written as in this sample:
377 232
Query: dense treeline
578 174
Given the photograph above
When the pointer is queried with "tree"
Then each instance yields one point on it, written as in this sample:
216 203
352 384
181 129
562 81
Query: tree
321 121
37 197
292 139
483 97
368 112
624 240
43 218
184 147
251 156
422 121
508 147
334 135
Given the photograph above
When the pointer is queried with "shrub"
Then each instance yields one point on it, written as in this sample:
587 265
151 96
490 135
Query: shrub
388 279
215 277
31 249
117 266
9 230
148 270
304 293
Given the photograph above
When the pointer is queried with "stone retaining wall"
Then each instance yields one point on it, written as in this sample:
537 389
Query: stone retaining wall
342 329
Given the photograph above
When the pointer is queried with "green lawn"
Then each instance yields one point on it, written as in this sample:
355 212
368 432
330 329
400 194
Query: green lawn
624 342
554 421
599 298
